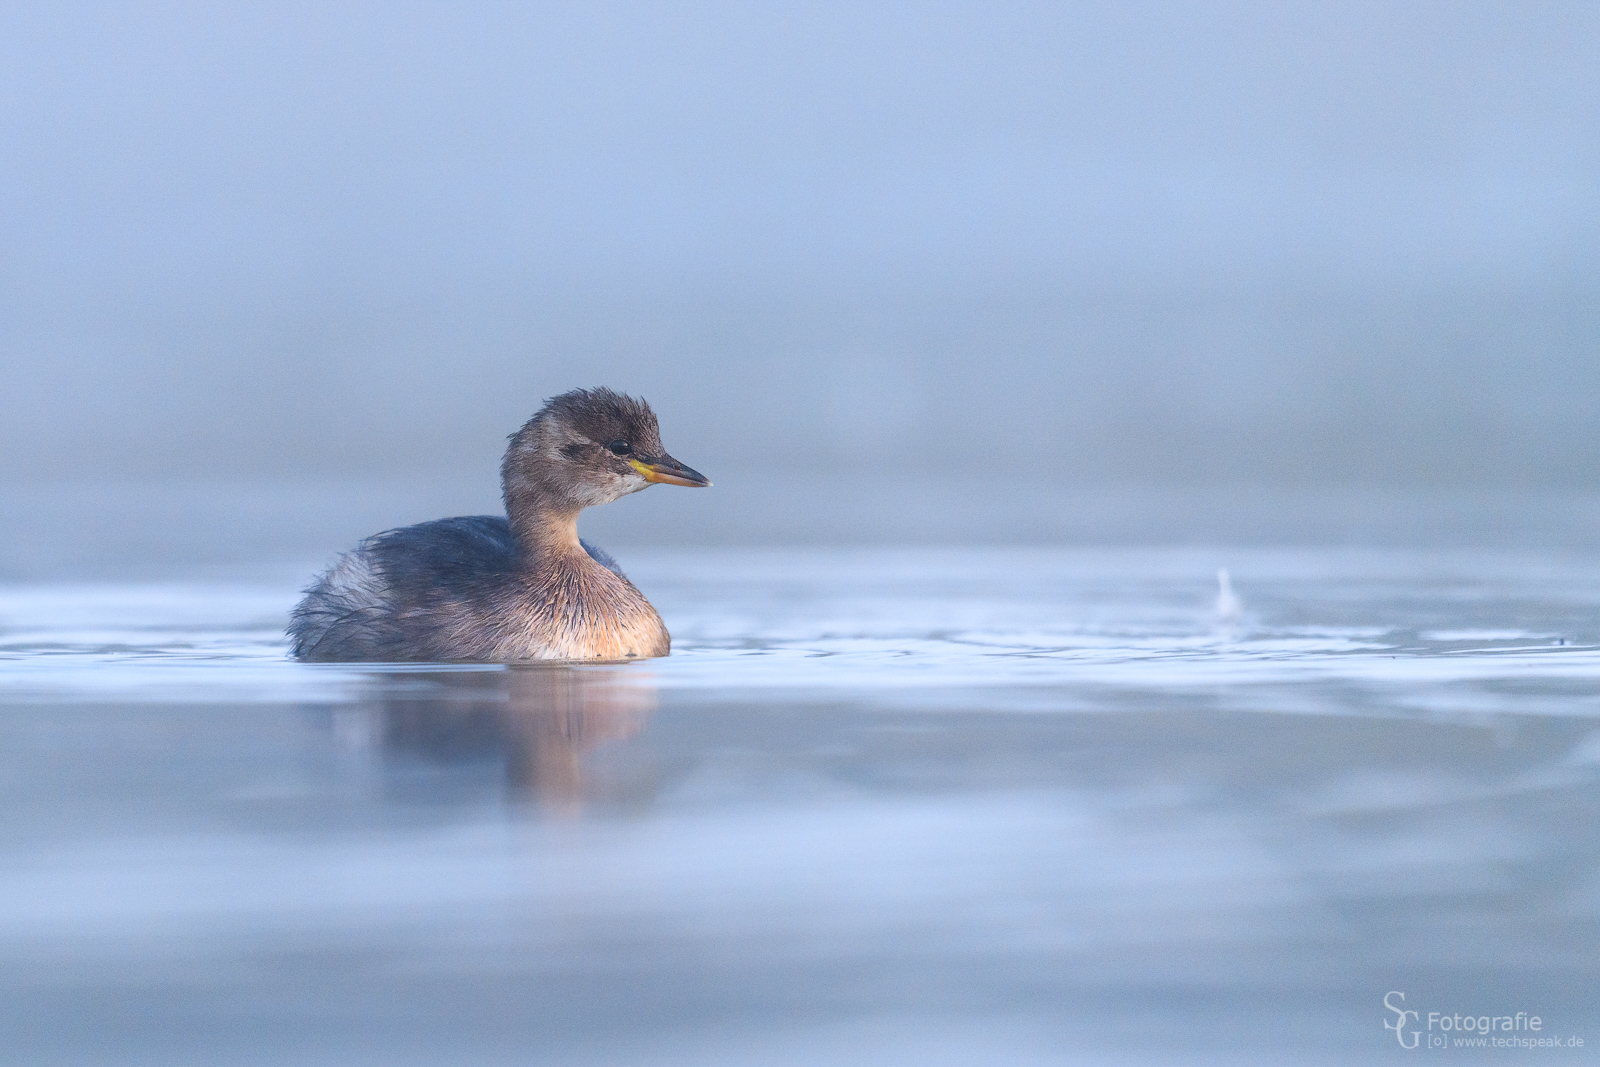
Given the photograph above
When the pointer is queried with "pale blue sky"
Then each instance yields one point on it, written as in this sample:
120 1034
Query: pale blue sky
366 238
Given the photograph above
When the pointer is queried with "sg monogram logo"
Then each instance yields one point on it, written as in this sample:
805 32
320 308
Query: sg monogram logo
1398 1026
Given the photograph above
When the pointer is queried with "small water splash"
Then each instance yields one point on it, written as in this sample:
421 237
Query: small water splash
1228 607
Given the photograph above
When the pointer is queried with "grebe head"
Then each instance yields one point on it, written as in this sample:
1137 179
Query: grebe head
588 447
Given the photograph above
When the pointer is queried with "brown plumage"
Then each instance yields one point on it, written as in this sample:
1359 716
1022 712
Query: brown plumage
505 589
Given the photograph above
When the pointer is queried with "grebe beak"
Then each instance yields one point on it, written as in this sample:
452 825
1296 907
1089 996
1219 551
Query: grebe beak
669 471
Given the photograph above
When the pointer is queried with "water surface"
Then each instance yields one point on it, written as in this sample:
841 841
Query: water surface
1020 806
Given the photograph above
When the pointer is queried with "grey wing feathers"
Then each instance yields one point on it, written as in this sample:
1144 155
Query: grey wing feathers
386 599
338 611
375 602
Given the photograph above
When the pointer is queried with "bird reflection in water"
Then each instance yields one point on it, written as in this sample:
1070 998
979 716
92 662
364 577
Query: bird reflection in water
542 720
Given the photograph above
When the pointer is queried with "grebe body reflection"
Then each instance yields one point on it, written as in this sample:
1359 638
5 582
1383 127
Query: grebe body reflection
542 721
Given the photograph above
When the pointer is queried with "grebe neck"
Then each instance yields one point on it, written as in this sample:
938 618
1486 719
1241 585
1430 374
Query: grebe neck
545 529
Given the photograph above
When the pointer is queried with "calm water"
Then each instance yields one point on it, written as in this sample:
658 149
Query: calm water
879 807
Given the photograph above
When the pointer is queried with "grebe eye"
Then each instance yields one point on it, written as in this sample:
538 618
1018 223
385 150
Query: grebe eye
621 448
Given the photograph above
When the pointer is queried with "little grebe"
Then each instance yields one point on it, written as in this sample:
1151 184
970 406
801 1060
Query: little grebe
519 588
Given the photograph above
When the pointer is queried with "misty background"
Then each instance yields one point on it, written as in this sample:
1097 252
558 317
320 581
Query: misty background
273 277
